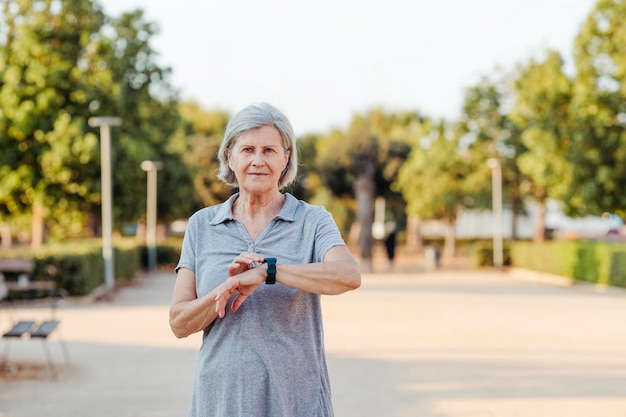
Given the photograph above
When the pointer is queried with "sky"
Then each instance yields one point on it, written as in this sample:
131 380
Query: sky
323 61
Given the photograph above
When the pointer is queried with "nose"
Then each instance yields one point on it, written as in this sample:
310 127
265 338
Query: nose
258 158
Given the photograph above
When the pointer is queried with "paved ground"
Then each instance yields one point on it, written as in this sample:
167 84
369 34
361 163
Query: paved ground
410 343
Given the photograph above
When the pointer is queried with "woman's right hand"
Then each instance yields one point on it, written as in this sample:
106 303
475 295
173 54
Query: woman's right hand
242 285
243 262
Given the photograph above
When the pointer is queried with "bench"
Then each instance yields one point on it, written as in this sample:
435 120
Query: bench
23 288
16 276
29 329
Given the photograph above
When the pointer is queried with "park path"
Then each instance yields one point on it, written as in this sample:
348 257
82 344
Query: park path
444 343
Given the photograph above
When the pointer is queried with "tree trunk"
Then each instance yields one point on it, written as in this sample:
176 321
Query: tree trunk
93 223
414 241
38 227
540 222
353 237
365 189
514 217
5 236
449 245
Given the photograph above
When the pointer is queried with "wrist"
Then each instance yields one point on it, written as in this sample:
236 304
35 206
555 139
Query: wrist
271 270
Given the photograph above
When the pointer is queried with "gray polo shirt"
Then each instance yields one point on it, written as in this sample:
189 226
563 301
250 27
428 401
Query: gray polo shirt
266 359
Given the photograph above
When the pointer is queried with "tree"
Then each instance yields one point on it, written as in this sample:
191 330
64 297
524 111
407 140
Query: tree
433 181
543 96
308 182
44 98
362 162
599 113
204 133
152 128
64 62
489 132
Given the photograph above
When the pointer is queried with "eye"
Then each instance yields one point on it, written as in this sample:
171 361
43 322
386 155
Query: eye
270 150
247 149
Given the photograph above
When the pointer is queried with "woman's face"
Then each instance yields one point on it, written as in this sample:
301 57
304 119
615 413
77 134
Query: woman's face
258 160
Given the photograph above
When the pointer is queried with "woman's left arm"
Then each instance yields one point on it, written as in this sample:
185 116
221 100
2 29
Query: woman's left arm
337 273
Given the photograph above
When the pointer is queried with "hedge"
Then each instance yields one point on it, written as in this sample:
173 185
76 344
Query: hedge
78 267
168 253
482 254
591 261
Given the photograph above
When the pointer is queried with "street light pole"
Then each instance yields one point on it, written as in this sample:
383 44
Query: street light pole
151 167
105 124
496 181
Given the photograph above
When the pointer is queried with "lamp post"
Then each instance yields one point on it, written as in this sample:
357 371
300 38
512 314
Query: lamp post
151 167
496 193
105 124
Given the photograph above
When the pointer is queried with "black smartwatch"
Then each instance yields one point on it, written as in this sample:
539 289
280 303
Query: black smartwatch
271 270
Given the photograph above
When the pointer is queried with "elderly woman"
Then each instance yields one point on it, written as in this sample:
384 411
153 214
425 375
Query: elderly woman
250 276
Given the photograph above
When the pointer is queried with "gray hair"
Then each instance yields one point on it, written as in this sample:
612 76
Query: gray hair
250 118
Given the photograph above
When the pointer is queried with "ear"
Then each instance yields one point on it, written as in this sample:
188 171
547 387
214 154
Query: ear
230 163
287 159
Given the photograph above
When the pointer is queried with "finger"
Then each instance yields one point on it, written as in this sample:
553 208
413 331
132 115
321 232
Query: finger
248 258
238 266
251 255
220 309
237 302
222 297
224 294
234 268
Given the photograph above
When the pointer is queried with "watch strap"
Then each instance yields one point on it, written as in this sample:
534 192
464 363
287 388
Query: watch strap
271 270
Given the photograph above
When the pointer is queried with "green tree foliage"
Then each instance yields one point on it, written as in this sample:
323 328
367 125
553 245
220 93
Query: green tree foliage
204 132
543 95
63 62
599 112
310 186
308 182
44 96
363 161
433 181
151 125
489 132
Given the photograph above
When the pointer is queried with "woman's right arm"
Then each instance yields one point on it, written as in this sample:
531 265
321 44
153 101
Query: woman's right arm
188 313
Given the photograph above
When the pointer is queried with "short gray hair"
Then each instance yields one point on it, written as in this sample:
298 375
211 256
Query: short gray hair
252 117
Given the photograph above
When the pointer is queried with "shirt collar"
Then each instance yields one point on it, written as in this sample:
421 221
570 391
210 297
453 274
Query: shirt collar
288 212
225 211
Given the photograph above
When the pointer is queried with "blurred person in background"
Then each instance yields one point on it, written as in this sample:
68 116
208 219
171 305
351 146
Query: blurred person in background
390 243
250 276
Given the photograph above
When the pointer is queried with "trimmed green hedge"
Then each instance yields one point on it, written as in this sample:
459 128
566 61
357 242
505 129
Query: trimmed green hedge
168 253
598 262
78 267
482 254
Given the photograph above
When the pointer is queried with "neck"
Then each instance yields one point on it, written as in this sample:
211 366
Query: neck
251 206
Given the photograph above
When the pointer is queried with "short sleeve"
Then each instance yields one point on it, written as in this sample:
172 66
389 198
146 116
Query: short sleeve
188 251
327 234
